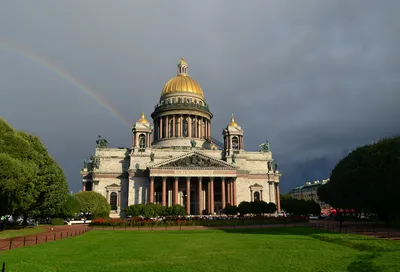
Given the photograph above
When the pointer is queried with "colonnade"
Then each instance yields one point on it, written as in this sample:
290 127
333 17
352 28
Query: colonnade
181 125
210 193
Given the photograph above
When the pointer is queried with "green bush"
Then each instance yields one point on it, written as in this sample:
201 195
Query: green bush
57 221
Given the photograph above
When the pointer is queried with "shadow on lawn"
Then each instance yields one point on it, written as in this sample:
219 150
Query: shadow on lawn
278 231
363 262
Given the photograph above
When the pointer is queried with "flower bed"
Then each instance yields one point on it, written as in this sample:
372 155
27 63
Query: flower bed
193 221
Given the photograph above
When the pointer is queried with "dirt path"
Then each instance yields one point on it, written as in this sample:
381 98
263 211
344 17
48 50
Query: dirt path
52 233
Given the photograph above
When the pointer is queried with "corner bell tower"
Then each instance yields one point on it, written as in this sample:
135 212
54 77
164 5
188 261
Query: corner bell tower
233 137
141 133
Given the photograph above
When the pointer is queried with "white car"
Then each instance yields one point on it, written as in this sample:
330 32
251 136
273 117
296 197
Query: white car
313 217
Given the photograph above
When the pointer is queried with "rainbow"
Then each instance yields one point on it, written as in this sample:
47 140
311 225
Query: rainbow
67 76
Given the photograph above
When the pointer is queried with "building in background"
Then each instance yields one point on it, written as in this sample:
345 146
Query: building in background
308 191
176 161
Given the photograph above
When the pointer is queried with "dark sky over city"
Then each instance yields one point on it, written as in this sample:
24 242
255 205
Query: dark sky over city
315 78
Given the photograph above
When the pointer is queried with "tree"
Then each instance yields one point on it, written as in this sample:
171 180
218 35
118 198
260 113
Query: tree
367 179
71 207
176 210
31 182
134 210
230 210
244 208
94 203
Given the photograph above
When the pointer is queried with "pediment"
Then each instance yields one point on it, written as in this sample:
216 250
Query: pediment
256 186
113 185
194 160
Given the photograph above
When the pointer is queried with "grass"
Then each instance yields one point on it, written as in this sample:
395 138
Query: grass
271 249
5 234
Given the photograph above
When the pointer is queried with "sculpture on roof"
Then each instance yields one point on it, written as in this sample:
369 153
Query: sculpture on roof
101 142
269 166
85 164
193 143
234 158
152 156
265 147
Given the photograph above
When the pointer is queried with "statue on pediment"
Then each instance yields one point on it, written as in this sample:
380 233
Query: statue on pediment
101 142
265 147
193 143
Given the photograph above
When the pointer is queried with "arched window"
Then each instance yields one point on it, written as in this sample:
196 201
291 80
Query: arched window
256 196
185 128
179 100
194 128
171 131
113 201
142 141
235 143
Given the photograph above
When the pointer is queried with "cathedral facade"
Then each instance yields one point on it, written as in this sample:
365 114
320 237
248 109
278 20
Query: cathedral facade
176 161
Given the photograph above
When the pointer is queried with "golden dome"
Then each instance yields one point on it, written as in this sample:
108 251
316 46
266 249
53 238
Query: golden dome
182 82
233 123
143 119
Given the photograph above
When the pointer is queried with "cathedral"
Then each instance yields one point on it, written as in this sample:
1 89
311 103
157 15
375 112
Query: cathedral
176 161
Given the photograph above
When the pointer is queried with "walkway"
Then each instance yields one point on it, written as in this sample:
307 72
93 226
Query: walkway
52 233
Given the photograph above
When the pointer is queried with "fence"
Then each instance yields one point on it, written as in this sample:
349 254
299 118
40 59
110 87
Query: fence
40 238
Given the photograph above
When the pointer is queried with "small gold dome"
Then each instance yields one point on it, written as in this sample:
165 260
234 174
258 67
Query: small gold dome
182 62
143 119
182 82
233 123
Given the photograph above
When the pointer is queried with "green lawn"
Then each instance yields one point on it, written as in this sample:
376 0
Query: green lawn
19 232
275 249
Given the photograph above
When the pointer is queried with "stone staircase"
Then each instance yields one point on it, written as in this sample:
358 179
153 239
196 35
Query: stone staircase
114 214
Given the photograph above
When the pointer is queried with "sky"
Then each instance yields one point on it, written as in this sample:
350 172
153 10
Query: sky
315 78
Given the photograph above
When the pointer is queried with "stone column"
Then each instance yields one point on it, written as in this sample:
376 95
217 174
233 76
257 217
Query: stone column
208 197
223 193
251 195
161 127
212 194
151 191
209 128
228 192
173 126
175 191
164 191
261 198
199 128
200 194
189 126
278 198
108 201
83 186
234 191
188 195
119 199
270 191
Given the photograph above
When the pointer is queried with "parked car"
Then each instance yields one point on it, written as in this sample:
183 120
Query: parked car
313 217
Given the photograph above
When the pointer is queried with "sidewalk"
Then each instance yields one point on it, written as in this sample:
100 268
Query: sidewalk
52 233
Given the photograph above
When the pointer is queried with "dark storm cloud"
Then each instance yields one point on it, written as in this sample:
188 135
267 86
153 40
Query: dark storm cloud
315 78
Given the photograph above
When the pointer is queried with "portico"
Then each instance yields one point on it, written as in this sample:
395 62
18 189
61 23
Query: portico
203 185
